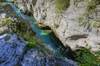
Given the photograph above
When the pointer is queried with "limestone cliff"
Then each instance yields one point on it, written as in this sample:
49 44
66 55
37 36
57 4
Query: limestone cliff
75 26
14 48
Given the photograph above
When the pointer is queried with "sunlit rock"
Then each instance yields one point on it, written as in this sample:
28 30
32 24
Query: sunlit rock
11 50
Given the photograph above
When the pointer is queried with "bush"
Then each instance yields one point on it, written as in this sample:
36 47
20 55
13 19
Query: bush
1 0
6 22
35 43
55 25
88 58
91 5
31 40
97 1
61 5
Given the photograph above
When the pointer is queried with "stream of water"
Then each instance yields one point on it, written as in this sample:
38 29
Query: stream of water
45 35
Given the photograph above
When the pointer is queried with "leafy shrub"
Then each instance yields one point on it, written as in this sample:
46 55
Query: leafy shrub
55 25
31 40
97 1
91 5
6 22
6 31
88 58
61 5
1 0
2 4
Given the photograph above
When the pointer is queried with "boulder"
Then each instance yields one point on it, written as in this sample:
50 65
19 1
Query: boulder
35 58
11 50
3 13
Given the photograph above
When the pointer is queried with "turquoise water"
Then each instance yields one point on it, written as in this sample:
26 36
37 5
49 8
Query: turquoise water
41 34
47 36
44 35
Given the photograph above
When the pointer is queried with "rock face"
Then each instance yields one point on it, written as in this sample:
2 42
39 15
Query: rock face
14 52
21 24
75 27
3 13
11 50
35 58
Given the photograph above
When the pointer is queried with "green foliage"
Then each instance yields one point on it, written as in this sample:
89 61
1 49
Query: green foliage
3 4
6 22
61 5
88 58
6 31
14 0
97 2
96 25
55 25
84 23
90 10
31 40
91 5
35 43
80 20
1 0
98 20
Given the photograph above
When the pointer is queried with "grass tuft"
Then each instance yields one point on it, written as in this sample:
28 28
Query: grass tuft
62 5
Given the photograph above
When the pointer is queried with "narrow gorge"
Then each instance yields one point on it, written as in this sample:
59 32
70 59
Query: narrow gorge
50 32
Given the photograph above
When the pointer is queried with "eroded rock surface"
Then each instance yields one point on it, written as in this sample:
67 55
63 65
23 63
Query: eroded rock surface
35 58
12 54
3 13
71 30
11 50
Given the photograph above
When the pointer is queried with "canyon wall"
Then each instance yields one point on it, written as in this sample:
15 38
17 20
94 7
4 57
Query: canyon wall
75 26
14 49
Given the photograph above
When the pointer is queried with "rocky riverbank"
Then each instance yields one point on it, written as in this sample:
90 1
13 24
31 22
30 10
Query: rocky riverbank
77 25
14 48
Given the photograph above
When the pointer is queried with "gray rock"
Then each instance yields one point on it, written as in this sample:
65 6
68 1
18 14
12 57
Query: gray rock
69 22
10 0
35 58
3 13
2 29
11 51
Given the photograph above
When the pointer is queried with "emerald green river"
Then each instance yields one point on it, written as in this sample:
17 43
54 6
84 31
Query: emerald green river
47 36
